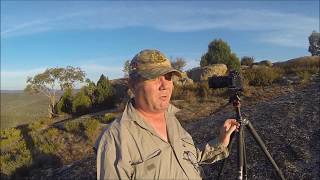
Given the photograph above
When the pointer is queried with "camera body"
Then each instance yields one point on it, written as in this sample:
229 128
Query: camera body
232 81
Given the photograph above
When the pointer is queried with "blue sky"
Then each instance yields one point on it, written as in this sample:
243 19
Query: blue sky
98 36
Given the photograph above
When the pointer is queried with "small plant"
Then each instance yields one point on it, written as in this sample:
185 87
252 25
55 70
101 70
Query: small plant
14 151
46 141
39 124
107 118
203 91
304 76
262 76
90 127
247 61
72 126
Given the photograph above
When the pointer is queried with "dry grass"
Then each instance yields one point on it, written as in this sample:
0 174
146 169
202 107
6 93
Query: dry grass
20 108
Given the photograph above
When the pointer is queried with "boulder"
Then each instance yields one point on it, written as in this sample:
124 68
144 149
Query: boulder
183 81
202 73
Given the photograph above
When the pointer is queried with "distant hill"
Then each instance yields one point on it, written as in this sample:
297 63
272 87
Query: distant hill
300 60
11 91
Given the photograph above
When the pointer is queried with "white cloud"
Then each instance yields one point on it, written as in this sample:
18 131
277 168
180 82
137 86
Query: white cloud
288 29
16 79
94 71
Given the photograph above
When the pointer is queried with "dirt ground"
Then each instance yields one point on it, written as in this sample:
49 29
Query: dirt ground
285 117
289 126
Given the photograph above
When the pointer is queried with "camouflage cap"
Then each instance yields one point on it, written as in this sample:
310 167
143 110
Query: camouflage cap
150 64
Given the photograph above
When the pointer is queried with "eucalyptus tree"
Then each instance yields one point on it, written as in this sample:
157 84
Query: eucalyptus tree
53 80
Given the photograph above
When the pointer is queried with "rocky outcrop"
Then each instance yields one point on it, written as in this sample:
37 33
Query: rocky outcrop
202 73
183 81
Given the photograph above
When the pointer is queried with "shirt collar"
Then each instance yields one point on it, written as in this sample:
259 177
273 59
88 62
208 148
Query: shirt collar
131 113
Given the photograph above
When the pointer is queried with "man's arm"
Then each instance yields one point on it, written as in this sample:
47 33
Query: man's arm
112 158
212 152
216 149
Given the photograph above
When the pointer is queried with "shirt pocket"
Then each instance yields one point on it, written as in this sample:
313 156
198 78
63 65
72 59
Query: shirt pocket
148 166
189 154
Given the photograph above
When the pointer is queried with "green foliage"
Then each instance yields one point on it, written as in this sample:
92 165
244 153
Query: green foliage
126 68
262 76
39 125
81 103
89 90
47 82
178 64
314 43
104 92
65 102
14 151
219 52
46 141
72 126
90 128
107 118
247 61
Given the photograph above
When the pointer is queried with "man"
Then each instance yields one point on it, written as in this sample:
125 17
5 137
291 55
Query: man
148 141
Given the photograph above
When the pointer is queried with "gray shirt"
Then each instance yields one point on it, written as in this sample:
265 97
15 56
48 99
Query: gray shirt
131 149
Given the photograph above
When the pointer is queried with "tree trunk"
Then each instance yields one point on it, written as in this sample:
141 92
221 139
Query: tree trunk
51 109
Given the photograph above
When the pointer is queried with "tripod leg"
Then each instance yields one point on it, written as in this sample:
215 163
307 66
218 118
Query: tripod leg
263 148
240 152
232 139
244 158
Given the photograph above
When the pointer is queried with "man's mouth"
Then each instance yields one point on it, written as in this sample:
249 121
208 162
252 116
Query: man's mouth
163 97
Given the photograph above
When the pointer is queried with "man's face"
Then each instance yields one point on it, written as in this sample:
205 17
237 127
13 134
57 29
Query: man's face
154 95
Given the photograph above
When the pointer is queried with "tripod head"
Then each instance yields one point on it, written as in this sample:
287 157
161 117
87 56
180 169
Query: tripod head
234 98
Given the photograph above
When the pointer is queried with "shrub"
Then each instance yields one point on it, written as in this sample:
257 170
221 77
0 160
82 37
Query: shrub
65 102
247 61
219 52
179 63
183 92
107 118
14 151
314 41
191 97
39 124
81 103
90 127
72 126
304 76
104 92
300 65
203 90
262 76
46 141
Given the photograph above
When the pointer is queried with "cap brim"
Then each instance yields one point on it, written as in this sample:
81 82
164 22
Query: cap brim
156 72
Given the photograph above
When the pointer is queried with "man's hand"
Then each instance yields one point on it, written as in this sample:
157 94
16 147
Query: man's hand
226 130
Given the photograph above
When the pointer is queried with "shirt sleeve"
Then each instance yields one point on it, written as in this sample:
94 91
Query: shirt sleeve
112 158
213 151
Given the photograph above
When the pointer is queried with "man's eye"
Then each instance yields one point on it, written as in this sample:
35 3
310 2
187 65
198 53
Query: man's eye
168 77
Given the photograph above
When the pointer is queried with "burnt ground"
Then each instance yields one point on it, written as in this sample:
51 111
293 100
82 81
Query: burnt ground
289 126
288 123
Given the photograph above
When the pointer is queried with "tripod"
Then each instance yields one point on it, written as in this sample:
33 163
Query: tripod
242 162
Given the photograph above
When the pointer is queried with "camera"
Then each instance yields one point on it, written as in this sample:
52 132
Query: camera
232 81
